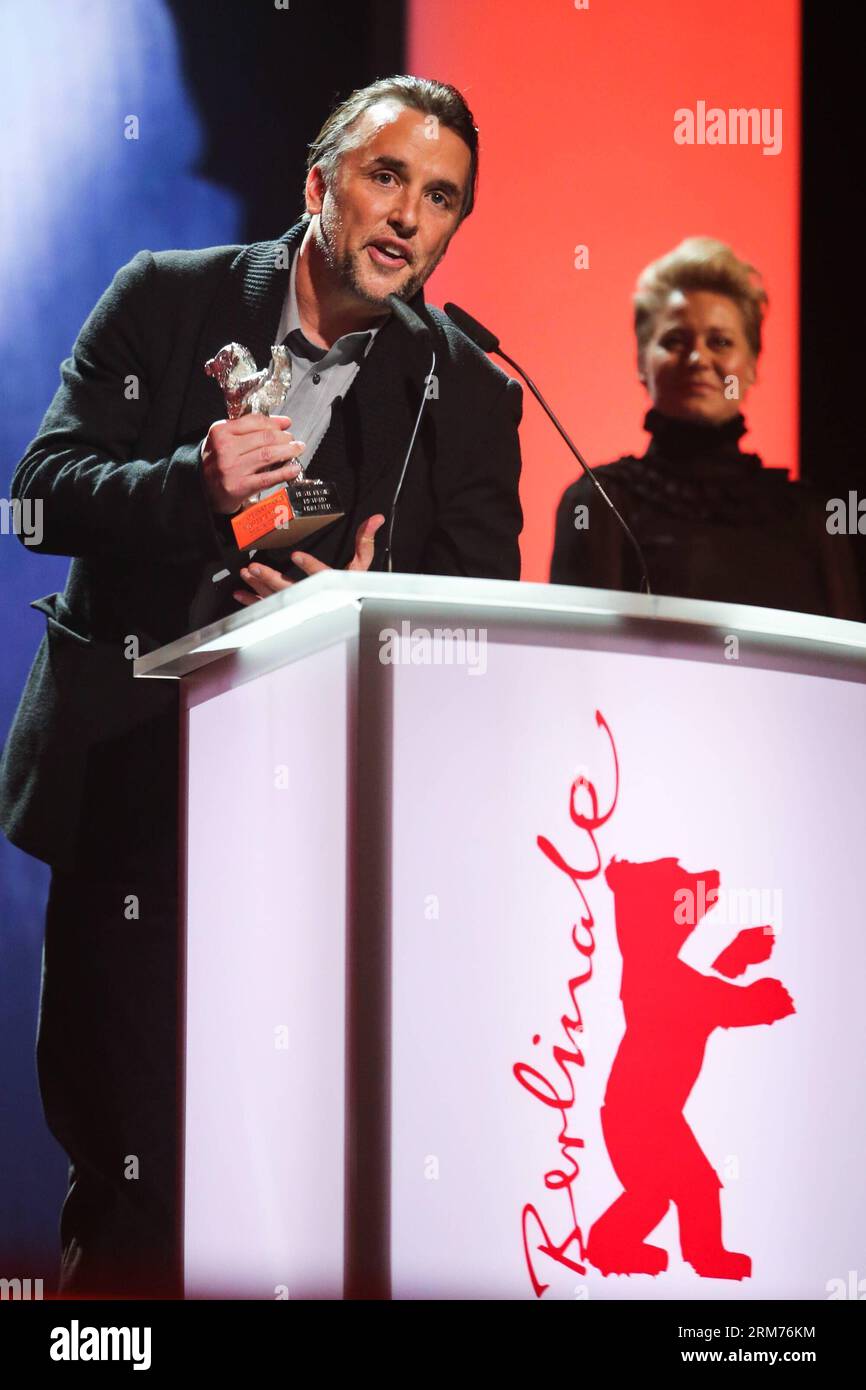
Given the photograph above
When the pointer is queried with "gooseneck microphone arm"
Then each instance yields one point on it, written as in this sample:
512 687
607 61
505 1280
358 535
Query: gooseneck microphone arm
488 342
421 333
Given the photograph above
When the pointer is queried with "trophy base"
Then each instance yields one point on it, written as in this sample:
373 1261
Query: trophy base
287 516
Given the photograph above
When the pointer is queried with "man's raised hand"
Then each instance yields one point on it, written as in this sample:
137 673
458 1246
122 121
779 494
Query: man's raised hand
364 549
264 580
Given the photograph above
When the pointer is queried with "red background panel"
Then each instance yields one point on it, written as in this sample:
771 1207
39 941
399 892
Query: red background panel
575 109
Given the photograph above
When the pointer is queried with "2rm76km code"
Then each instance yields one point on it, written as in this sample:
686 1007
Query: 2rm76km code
778 1332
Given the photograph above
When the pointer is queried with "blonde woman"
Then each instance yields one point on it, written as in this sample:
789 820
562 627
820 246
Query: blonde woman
713 522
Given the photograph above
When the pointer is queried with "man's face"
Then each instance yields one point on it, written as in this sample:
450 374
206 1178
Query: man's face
393 205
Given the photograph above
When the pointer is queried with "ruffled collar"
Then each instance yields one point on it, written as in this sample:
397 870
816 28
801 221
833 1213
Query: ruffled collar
698 471
693 446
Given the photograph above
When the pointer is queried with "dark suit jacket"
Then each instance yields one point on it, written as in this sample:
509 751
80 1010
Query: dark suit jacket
88 774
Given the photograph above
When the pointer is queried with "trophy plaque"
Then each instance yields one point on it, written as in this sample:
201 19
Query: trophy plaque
282 515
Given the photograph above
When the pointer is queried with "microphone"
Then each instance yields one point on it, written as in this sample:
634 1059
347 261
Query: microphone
488 342
420 332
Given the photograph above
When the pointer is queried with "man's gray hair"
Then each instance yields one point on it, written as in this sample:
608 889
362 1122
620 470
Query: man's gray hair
437 99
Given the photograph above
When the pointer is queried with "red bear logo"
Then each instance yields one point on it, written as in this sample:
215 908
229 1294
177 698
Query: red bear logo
670 1011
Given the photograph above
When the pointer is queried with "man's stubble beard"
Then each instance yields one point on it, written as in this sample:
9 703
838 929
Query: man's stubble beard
343 268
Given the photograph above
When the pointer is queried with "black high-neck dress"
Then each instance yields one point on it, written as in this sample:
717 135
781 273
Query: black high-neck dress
713 523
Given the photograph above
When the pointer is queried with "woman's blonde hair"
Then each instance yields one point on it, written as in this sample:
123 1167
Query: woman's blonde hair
699 263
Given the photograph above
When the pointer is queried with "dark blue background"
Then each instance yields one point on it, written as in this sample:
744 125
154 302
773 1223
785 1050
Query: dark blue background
227 96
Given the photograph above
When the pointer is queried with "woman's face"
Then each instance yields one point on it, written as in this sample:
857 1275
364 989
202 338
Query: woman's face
698 364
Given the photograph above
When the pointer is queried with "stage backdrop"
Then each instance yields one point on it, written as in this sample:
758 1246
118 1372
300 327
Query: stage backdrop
575 101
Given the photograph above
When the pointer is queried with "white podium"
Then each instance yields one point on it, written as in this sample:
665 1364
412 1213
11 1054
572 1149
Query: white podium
434 1046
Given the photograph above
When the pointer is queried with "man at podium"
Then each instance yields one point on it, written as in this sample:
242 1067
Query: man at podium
139 480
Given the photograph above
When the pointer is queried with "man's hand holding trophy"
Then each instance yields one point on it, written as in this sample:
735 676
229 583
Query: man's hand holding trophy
251 473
